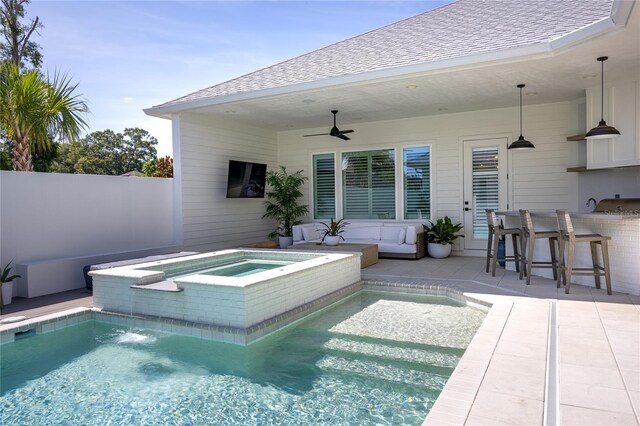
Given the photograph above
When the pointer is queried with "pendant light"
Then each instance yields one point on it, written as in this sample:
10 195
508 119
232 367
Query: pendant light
521 144
602 131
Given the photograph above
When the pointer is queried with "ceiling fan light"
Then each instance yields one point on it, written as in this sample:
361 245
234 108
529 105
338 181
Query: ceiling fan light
522 144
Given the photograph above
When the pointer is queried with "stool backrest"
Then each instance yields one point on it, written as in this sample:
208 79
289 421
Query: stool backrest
526 222
564 223
492 219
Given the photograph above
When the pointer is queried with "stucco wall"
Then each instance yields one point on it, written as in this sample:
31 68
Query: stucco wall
50 216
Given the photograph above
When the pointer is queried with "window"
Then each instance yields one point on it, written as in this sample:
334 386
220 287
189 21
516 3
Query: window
486 186
368 184
417 182
324 186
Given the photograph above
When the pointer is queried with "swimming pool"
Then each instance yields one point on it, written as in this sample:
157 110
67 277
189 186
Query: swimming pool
375 358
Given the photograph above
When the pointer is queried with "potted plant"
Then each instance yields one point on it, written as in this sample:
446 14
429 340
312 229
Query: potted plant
440 236
6 294
282 204
332 232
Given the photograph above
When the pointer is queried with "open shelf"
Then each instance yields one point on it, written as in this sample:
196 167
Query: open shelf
576 138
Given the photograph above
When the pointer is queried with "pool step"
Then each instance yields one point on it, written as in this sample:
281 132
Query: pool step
382 372
393 353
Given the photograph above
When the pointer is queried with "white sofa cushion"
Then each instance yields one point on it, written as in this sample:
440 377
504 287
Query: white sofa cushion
393 234
412 234
396 248
310 233
361 232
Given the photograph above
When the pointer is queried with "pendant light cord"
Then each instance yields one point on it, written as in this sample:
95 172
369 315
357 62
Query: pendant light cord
521 112
602 92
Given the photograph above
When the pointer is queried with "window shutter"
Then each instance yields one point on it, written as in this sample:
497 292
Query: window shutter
324 186
417 182
485 179
369 184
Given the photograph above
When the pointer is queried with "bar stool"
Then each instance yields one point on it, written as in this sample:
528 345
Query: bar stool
528 236
568 236
495 233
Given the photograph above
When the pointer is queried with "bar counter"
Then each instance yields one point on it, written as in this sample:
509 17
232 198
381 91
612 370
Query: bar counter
624 247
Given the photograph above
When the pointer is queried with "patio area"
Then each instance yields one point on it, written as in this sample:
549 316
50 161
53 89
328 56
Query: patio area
540 356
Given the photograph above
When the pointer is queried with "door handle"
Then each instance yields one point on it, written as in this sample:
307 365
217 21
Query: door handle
466 209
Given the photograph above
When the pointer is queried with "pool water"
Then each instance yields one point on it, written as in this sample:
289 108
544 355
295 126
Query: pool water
243 268
373 359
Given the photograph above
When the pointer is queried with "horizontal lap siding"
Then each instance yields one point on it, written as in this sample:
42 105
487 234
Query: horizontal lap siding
538 178
210 220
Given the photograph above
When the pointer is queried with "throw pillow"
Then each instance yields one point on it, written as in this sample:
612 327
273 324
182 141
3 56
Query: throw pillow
310 233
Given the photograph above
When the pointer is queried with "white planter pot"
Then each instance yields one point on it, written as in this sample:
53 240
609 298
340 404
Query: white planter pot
285 242
7 293
439 251
331 240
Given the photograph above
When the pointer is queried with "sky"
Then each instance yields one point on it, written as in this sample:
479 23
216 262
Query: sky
130 55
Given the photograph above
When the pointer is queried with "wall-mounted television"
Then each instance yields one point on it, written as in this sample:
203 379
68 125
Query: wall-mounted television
246 180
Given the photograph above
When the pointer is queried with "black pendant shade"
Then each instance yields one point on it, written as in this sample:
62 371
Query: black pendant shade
521 144
602 131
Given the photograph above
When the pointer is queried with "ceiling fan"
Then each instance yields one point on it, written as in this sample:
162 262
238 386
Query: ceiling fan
334 130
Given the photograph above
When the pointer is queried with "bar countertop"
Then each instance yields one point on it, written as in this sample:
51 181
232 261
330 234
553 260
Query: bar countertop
575 215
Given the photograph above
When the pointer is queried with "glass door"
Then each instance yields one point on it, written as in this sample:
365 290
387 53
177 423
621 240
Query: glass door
485 187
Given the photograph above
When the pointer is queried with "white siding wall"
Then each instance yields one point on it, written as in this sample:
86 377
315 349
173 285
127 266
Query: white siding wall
211 221
538 179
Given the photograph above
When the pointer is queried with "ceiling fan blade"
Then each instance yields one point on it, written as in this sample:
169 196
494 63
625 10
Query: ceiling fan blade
317 134
342 132
343 137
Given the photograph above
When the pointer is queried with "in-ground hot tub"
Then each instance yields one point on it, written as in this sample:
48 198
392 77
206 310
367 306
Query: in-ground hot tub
230 288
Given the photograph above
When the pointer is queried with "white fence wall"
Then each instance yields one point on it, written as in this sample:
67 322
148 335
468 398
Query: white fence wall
48 216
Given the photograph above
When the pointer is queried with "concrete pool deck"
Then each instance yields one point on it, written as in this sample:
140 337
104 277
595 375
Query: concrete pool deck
540 356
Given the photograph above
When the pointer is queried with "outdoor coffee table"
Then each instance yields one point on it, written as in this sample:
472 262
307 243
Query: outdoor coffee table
369 251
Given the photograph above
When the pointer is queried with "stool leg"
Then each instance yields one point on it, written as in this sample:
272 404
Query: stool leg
523 254
561 267
554 259
496 241
531 245
489 244
516 256
569 267
605 259
594 262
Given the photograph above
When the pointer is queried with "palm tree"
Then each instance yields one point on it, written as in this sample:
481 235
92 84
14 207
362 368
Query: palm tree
35 110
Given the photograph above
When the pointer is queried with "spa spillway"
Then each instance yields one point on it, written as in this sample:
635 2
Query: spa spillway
232 288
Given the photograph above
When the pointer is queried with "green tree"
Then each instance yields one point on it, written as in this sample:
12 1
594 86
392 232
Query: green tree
38 111
17 47
107 153
164 167
6 154
149 168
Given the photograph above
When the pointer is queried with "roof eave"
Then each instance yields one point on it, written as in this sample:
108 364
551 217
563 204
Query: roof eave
621 10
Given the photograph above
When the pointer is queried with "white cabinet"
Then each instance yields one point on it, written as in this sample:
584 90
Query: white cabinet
621 110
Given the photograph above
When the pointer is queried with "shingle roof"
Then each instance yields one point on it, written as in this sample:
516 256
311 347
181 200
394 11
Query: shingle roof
459 29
